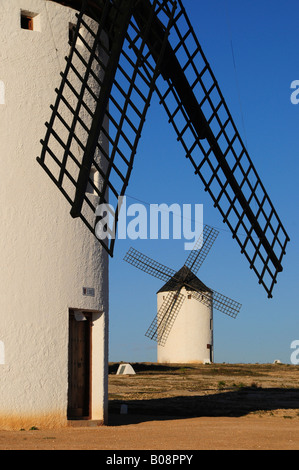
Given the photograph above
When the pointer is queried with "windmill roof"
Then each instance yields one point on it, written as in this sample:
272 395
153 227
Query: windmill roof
186 278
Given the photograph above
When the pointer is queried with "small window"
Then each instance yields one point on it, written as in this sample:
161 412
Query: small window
189 296
26 22
72 30
93 182
72 33
30 21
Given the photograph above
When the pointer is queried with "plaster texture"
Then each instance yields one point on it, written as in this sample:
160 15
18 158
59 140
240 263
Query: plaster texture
46 256
190 334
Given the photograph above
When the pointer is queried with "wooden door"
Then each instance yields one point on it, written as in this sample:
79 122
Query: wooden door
79 367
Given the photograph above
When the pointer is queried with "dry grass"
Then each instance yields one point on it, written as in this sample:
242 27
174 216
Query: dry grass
207 390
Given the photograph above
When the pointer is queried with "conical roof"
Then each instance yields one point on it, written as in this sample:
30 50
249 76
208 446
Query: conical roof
186 278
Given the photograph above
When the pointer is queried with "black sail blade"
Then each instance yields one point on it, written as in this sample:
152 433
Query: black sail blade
108 103
135 43
201 248
148 265
162 324
204 126
219 301
226 305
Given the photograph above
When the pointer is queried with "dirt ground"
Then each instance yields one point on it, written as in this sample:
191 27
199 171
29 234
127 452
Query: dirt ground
204 407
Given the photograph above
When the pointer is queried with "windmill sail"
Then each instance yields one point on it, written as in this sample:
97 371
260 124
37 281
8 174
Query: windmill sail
163 322
142 45
198 112
194 261
204 126
219 301
202 248
148 265
113 55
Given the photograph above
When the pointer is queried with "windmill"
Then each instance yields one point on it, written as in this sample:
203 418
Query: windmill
61 267
145 47
194 333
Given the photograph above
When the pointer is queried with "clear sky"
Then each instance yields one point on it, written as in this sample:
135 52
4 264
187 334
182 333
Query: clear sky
264 36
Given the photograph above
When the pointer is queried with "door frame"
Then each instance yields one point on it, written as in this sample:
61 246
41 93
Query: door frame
89 315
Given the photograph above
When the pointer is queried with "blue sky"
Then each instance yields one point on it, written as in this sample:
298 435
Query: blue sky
264 36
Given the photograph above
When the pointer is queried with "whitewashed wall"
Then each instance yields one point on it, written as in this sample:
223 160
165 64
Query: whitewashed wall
46 256
192 331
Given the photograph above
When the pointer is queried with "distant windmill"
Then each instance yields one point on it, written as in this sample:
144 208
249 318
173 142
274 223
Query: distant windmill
193 336
142 47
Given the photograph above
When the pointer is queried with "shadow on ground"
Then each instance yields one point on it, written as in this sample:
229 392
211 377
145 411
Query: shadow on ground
227 403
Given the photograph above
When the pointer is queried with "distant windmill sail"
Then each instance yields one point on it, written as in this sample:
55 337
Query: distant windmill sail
144 46
201 249
163 322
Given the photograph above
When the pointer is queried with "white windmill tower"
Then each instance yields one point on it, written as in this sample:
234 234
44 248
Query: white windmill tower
191 337
183 326
54 273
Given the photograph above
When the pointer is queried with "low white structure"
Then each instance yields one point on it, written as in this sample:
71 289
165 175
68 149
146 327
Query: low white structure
54 273
190 338
125 369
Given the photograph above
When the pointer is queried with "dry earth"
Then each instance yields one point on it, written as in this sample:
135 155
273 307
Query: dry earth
219 406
